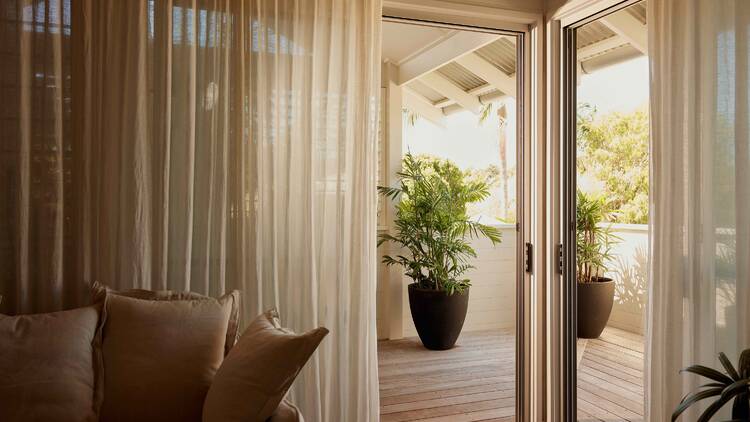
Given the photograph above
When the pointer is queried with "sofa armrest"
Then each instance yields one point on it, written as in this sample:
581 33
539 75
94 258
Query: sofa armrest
286 412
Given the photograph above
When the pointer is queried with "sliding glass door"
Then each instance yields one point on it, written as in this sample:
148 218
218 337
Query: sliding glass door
453 113
605 214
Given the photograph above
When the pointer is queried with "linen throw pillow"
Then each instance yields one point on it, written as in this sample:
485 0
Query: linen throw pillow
50 366
259 370
99 292
160 356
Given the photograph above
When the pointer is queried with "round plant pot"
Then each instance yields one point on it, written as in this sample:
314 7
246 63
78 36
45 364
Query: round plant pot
438 316
595 302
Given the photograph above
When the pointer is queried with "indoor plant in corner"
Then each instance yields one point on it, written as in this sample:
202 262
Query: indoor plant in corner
732 385
594 242
432 224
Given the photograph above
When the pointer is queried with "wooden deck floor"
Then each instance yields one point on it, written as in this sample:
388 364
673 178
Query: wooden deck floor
475 381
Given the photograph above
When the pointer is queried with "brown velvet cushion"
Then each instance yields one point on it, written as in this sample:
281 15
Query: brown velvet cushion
99 291
258 371
50 366
161 355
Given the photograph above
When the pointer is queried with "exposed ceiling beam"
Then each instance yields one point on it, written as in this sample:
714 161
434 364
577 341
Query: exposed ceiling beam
420 105
481 91
591 50
453 46
478 91
450 90
627 26
487 71
488 98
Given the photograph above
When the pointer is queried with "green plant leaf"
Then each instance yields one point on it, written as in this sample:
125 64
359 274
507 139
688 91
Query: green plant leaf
743 365
709 373
432 222
712 409
728 366
693 398
737 387
709 385
741 407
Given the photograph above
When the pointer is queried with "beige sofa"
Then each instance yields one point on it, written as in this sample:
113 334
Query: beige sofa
286 412
148 356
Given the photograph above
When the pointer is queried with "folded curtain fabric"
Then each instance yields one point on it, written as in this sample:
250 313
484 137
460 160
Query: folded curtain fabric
699 285
205 146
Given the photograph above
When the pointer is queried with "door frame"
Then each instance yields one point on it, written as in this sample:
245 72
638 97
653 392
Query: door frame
562 68
530 300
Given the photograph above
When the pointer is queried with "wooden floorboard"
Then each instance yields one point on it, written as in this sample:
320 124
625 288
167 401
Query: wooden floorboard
475 381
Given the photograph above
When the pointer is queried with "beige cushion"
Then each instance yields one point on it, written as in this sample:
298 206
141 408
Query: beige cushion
258 371
99 291
50 366
161 355
286 412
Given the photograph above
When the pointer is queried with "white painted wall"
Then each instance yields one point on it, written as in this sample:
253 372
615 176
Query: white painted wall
492 298
630 273
381 298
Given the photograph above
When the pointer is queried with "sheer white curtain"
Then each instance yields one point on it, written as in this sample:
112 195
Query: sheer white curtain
203 145
700 257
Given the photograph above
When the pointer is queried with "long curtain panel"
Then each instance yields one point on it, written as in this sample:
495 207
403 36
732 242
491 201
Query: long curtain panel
199 145
700 257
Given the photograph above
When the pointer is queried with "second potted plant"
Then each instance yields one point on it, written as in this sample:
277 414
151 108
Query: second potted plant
593 251
433 226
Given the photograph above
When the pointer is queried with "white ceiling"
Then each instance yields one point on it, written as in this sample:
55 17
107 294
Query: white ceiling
445 70
401 41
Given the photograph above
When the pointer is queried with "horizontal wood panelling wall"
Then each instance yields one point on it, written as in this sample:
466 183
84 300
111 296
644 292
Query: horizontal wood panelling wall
492 299
630 272
492 296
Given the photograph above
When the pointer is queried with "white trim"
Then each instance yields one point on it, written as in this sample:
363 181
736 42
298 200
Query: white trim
424 48
462 14
422 106
571 12
627 26
592 50
552 227
531 374
457 44
623 227
576 10
479 91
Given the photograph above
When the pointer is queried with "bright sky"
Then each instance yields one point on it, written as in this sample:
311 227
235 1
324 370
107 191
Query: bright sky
463 140
619 88
622 87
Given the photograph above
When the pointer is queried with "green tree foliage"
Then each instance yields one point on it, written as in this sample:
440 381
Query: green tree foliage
491 206
432 224
613 149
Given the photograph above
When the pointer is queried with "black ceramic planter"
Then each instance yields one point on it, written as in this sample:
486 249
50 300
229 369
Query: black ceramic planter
438 316
595 302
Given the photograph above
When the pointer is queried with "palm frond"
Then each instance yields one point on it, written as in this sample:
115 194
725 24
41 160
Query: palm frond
728 366
432 223
737 387
734 385
707 372
712 409
744 364
691 399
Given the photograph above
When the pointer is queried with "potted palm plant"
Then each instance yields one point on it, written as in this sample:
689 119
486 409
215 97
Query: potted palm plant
432 225
594 243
